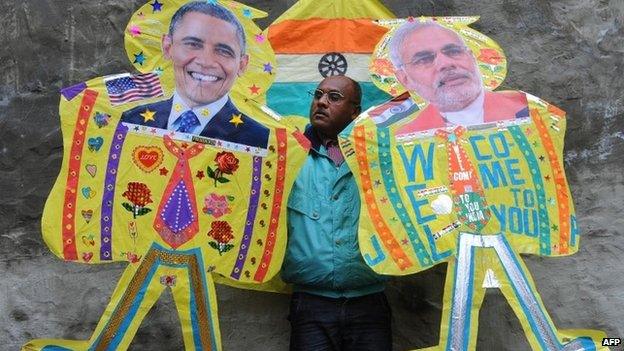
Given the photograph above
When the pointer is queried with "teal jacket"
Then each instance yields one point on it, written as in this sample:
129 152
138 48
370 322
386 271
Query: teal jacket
322 254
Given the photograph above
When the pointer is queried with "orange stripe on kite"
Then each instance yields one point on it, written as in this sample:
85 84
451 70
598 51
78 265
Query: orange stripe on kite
563 202
282 150
325 35
388 241
75 163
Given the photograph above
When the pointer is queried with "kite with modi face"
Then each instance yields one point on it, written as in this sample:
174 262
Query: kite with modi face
180 170
456 172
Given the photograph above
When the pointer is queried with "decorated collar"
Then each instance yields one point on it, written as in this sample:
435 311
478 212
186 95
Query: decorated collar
204 112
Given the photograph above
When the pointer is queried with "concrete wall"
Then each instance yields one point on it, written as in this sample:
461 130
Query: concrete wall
568 52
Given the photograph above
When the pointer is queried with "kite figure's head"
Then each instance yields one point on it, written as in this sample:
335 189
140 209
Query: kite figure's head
434 62
206 44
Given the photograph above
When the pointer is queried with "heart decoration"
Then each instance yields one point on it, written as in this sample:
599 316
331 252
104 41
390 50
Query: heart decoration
87 192
101 119
147 158
91 169
87 256
88 240
87 214
95 143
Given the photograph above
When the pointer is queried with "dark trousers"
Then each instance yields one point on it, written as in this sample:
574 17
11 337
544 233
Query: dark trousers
344 324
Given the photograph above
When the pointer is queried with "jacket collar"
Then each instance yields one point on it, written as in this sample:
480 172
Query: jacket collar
313 137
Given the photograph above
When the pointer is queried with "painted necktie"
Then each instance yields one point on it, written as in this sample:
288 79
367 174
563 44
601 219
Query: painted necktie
468 196
176 221
186 122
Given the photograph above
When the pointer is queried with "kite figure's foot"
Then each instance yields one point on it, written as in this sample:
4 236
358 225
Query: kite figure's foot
56 345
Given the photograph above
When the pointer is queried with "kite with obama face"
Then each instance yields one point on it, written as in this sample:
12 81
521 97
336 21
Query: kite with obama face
178 170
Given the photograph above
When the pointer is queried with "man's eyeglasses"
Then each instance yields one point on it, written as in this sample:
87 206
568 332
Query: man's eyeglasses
425 58
332 96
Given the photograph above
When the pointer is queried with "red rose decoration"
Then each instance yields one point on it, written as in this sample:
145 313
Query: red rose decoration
226 163
138 193
139 196
490 56
222 233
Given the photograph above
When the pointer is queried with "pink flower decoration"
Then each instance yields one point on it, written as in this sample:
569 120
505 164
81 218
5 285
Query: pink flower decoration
216 205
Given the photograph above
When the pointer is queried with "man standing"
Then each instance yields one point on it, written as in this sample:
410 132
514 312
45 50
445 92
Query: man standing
436 64
206 44
338 301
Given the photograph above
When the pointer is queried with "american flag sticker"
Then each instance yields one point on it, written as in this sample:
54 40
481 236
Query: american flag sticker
127 87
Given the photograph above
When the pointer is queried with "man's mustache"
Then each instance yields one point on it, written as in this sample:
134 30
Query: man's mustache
321 111
452 75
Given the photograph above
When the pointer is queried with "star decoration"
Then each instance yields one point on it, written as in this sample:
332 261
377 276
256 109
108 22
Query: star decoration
547 178
148 115
205 112
134 30
156 6
139 58
528 131
184 145
163 171
384 200
247 13
254 89
153 130
452 138
177 107
541 158
404 241
236 119
200 175
370 135
268 68
551 201
377 183
259 38
535 144
136 128
555 227
159 71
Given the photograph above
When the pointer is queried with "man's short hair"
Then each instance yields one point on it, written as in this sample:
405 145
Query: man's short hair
358 91
399 36
212 10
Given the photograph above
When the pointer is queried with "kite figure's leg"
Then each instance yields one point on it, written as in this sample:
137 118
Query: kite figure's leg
478 257
196 302
523 297
138 290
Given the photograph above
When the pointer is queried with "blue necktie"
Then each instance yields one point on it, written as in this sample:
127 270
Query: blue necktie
187 122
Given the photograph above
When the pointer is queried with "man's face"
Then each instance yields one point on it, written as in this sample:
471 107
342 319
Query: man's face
331 113
451 81
206 57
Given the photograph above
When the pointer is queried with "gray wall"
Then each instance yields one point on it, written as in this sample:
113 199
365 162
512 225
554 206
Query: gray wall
570 53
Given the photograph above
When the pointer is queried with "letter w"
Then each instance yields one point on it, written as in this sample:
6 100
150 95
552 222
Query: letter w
410 164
